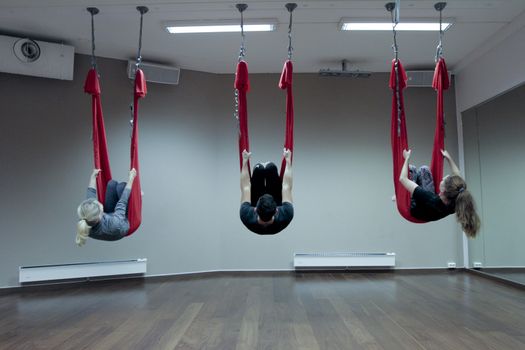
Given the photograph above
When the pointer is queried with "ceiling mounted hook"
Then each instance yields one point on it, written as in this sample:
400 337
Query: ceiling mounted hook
241 7
394 7
142 9
439 6
290 6
93 10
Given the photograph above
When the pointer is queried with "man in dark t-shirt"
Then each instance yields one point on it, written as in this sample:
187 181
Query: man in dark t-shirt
266 203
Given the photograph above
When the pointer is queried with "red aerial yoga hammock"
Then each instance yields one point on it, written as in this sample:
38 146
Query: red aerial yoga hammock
100 149
399 137
242 84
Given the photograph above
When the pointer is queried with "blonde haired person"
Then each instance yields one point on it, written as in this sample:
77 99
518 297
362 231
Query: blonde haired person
107 223
453 195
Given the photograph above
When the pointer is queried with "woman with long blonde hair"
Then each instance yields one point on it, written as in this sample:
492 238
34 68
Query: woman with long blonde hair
109 222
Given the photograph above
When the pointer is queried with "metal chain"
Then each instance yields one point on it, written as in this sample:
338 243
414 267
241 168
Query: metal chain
93 11
142 10
398 99
290 48
242 50
439 49
139 53
393 8
242 54
236 111
394 32
290 7
93 58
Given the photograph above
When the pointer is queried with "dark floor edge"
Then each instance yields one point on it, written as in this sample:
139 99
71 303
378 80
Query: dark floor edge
496 278
503 269
140 279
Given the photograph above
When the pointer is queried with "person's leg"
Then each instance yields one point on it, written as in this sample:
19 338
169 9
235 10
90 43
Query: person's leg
274 184
257 183
414 174
120 189
427 181
112 196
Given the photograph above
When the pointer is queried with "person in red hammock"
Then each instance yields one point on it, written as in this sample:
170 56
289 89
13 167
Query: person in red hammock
453 197
107 222
266 202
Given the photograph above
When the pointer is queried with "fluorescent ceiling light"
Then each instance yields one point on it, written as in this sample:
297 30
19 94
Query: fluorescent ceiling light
221 27
412 26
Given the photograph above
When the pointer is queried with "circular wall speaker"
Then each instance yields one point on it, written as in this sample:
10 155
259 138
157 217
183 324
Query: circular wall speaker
26 50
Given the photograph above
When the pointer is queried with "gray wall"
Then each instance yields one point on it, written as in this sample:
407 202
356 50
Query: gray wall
494 145
190 176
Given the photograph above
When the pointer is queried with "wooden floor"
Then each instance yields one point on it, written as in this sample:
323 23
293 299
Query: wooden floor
270 311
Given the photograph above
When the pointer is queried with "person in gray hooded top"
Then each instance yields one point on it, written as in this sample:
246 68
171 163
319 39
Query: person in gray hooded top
104 222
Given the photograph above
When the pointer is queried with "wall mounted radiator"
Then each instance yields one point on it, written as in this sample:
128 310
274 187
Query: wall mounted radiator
332 261
81 270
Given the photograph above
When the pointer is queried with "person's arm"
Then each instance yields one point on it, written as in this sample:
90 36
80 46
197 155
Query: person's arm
131 178
408 184
287 177
93 179
92 186
246 186
122 204
453 167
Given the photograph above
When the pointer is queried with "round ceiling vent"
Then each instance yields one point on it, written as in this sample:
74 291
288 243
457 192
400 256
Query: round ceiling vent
26 50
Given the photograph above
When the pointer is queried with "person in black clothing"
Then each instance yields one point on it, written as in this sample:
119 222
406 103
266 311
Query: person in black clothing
452 198
266 202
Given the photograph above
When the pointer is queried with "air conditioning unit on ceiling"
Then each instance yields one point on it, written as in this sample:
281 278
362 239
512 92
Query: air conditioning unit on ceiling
422 78
36 58
155 73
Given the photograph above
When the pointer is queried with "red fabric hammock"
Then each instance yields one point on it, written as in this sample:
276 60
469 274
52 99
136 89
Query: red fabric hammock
100 148
399 138
242 84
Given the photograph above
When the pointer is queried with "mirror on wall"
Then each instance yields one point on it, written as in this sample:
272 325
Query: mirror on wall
494 143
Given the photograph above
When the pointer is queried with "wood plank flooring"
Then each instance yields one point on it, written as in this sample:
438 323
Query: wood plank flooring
446 310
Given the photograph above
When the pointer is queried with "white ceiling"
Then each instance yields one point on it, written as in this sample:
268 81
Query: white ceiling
317 40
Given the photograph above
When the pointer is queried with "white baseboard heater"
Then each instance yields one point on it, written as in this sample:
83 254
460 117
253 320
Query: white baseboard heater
81 270
336 261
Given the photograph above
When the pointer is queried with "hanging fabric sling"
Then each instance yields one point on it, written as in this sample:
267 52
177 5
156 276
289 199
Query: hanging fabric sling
100 149
398 132
242 86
